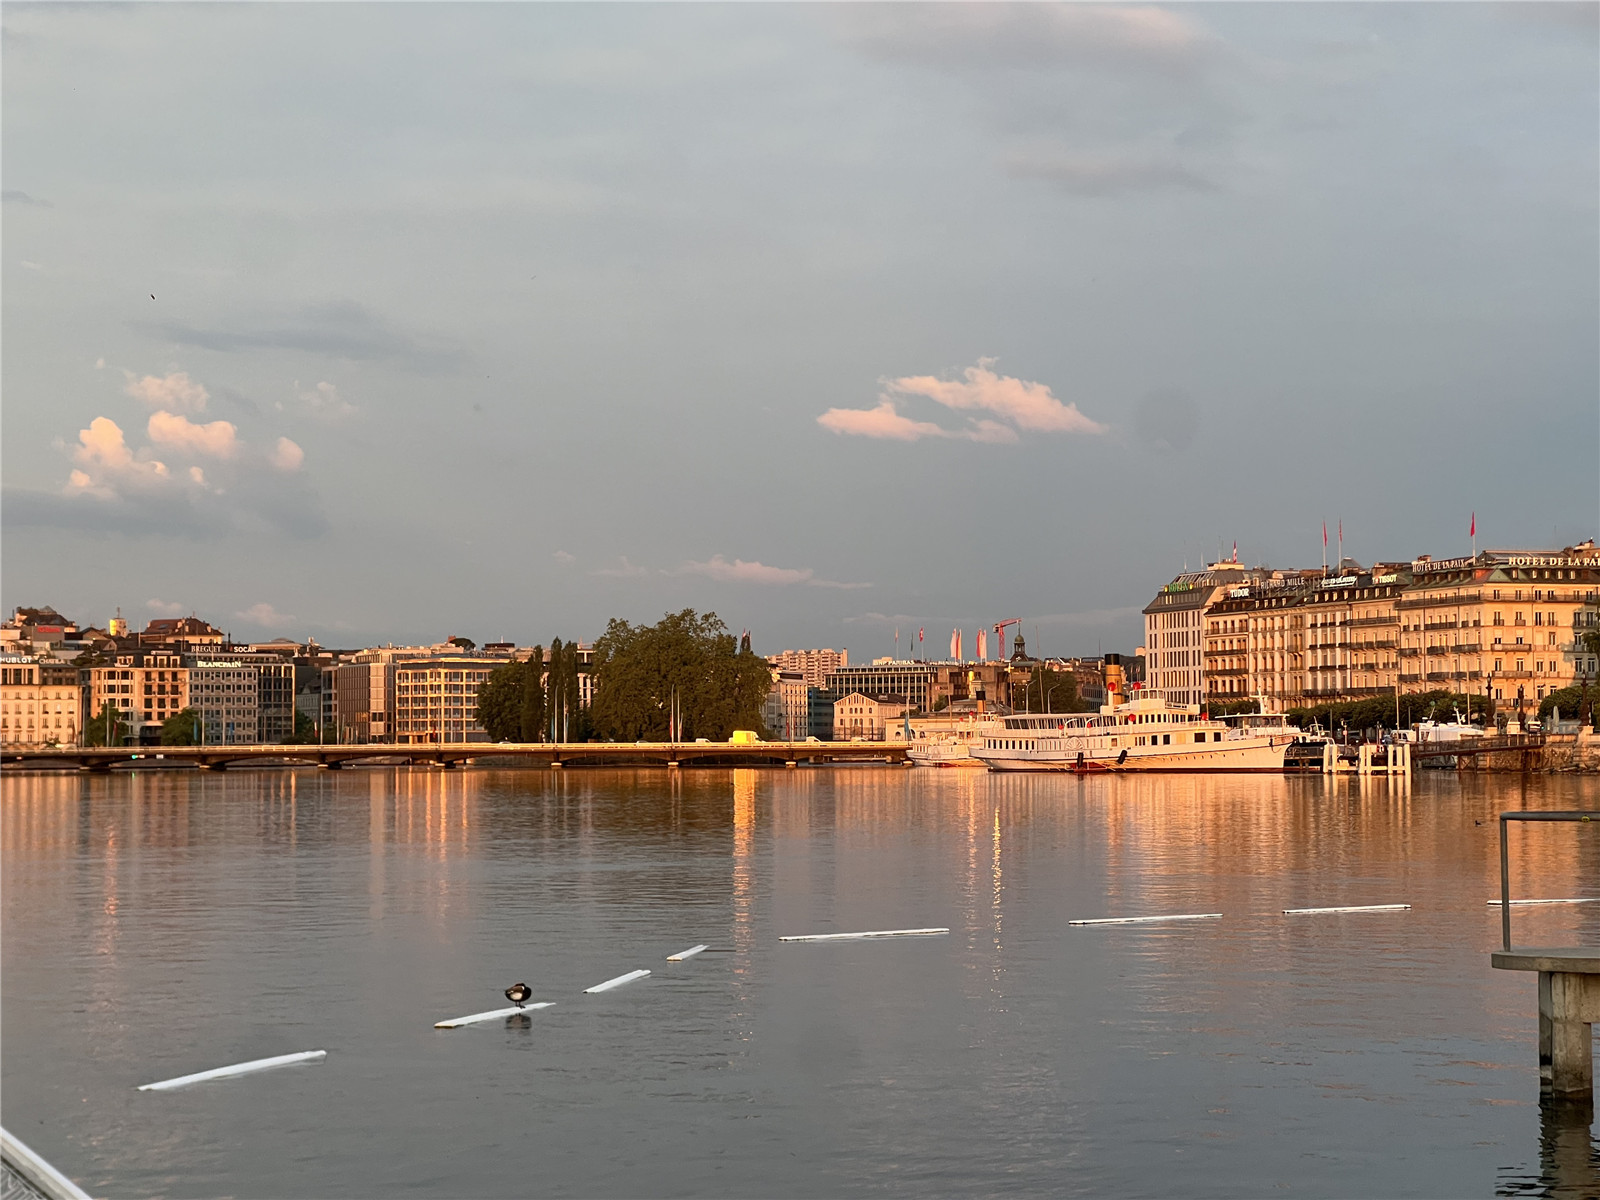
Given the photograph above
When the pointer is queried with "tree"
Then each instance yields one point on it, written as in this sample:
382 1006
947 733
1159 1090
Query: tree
500 703
108 729
531 707
1379 712
1051 691
305 730
465 643
687 660
182 728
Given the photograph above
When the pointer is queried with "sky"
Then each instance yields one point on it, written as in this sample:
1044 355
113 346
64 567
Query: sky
391 322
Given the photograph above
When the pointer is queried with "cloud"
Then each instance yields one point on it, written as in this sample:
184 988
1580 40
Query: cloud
175 392
1105 176
30 265
105 460
219 439
1018 403
739 571
286 456
561 556
264 615
324 400
167 608
880 422
342 331
14 197
1096 36
626 570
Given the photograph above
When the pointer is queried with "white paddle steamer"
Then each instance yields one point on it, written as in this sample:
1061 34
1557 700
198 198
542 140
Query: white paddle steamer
1142 735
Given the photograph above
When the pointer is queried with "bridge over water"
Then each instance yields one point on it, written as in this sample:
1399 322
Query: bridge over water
548 754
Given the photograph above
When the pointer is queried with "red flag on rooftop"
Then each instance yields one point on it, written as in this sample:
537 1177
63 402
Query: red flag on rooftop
1324 535
1473 532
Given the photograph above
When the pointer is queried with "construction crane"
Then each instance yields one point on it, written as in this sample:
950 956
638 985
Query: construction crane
1000 634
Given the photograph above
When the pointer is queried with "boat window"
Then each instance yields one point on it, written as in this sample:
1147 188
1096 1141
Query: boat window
1166 739
1200 737
1216 737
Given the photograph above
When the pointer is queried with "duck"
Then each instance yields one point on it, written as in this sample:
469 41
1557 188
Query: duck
519 994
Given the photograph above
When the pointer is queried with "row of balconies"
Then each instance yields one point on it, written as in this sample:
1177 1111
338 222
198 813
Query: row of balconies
1389 620
1438 601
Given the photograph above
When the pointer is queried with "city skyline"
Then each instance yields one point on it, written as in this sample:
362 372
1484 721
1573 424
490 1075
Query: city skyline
502 321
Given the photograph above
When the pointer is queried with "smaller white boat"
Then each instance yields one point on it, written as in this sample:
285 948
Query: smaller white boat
949 739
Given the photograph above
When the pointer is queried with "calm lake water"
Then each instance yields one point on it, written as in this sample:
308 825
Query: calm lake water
165 923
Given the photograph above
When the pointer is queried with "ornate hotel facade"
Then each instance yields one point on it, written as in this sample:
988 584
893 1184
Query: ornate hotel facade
1506 624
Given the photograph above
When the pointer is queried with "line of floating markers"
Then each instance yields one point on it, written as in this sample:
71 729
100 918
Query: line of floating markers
1147 920
1347 908
260 1064
876 933
475 1018
615 983
1573 900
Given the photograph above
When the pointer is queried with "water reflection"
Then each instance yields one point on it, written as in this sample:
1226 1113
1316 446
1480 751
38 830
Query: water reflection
143 914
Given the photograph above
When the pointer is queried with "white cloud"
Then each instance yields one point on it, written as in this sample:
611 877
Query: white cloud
324 400
100 363
739 571
199 476
167 608
31 266
561 556
216 438
286 456
264 615
175 392
1017 403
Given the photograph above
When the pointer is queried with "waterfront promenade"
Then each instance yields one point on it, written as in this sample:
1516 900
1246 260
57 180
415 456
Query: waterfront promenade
548 754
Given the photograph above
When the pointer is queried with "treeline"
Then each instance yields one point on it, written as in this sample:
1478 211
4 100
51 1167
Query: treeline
535 701
1379 712
687 668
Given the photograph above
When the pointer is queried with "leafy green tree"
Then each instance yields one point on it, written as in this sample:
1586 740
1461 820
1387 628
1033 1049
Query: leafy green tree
687 659
107 729
305 730
1228 708
464 643
531 708
1050 691
1379 712
500 703
181 729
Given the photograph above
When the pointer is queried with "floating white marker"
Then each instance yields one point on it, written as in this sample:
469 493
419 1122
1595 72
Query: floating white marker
877 933
1578 900
457 1022
1351 908
689 953
260 1064
616 983
1143 920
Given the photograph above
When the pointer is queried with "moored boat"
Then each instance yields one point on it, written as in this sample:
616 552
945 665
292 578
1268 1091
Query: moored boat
1142 735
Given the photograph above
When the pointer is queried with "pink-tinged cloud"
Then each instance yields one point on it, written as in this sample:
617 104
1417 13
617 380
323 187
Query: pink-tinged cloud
1025 404
286 455
880 422
216 438
106 465
175 392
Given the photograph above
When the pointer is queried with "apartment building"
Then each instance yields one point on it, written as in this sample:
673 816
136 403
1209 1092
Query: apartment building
436 699
145 687
227 697
39 703
275 705
788 708
1351 625
814 666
